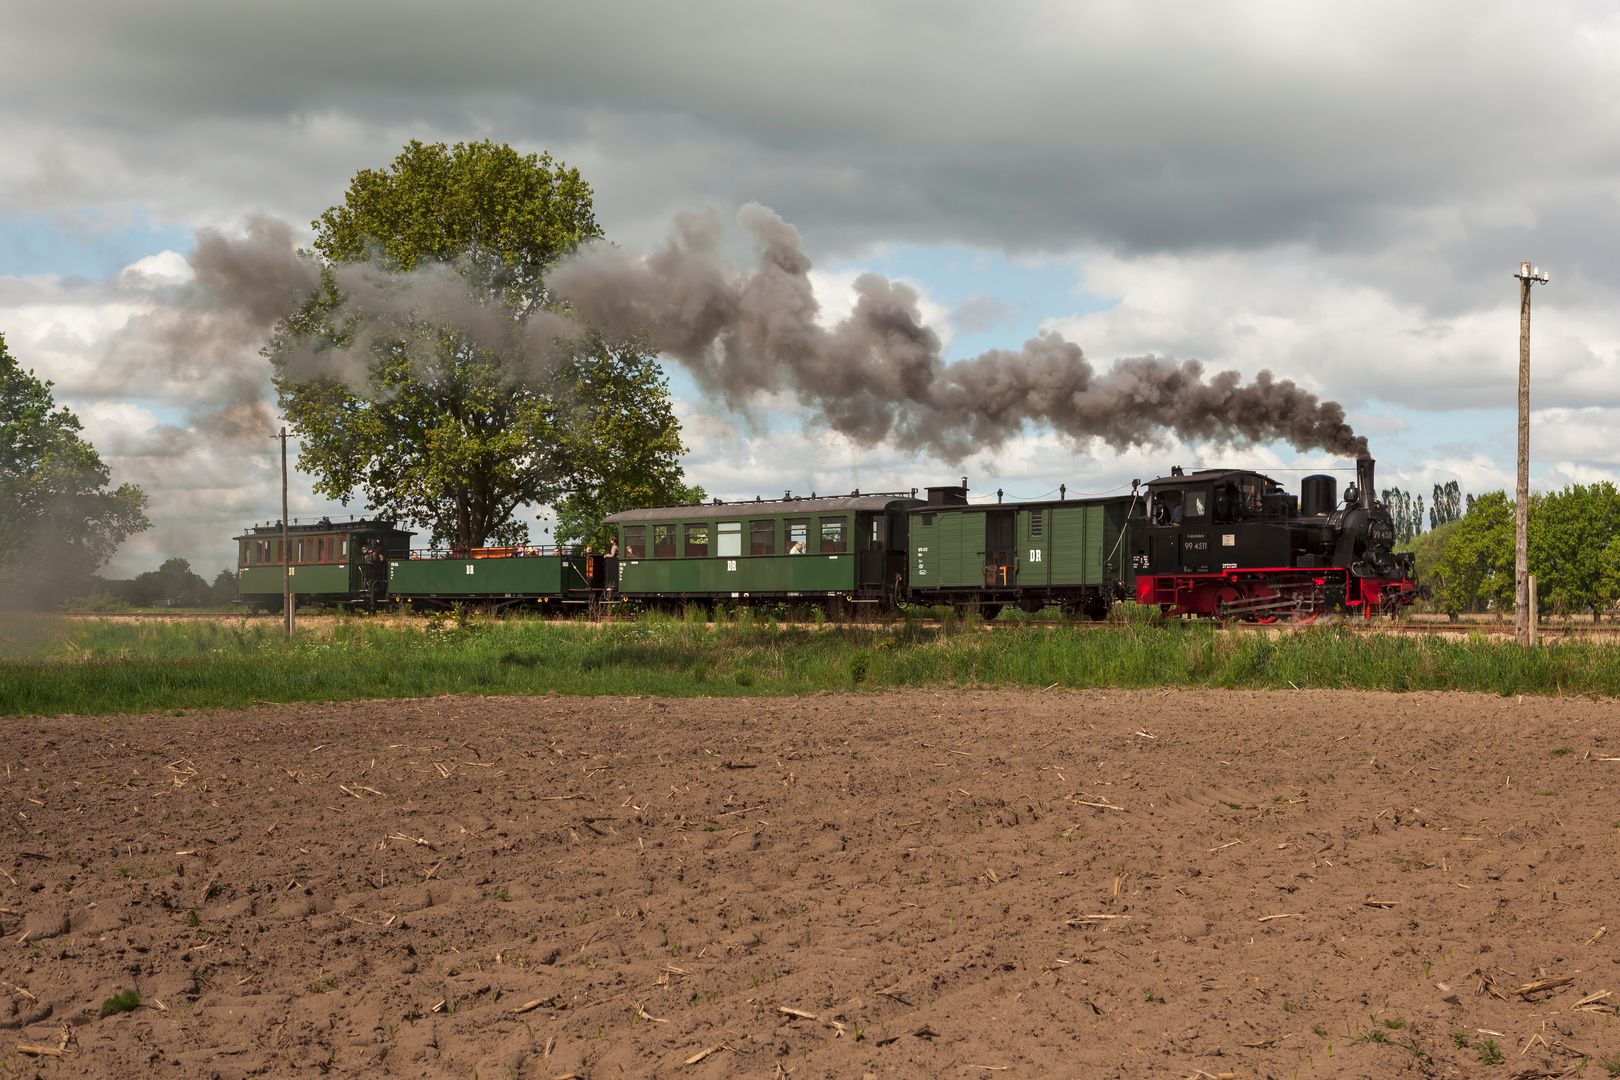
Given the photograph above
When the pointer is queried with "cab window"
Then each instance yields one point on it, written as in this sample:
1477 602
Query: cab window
1167 508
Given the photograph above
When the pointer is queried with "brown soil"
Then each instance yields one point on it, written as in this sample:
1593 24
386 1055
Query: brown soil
613 887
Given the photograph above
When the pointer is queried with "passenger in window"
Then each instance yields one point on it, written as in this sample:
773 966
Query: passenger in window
796 548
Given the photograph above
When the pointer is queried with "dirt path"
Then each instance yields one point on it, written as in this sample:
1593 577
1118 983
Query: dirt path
935 884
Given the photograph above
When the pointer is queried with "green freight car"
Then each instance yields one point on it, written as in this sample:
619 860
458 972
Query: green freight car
845 548
1072 554
499 578
328 561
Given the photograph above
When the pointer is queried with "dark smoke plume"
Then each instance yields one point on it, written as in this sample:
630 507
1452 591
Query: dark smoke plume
243 285
878 374
202 334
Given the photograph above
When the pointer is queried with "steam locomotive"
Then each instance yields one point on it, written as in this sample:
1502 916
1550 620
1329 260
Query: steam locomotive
1232 544
1227 544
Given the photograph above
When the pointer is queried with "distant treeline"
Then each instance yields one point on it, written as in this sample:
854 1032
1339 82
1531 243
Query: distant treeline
1465 561
174 584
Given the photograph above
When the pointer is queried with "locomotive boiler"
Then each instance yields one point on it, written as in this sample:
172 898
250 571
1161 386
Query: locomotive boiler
1232 544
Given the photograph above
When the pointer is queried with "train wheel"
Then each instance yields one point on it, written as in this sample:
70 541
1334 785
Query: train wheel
989 612
1223 600
1263 592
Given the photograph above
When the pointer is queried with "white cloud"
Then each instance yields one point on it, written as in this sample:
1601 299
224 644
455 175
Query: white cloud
164 268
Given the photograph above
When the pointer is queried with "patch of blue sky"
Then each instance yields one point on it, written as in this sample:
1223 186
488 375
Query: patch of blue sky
1419 433
995 301
94 242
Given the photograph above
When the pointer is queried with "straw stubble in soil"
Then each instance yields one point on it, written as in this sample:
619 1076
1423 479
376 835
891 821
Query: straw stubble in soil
906 884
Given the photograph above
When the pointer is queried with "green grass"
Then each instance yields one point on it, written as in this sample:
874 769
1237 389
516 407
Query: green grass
127 1001
50 665
1489 1052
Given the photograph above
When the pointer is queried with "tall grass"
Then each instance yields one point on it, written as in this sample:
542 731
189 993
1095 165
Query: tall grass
50 666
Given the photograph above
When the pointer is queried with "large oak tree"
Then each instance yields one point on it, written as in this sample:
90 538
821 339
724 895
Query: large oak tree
424 373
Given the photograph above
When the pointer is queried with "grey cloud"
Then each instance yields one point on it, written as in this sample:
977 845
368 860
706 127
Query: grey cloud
1041 126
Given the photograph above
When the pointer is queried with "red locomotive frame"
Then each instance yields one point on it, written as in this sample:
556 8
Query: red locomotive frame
1266 594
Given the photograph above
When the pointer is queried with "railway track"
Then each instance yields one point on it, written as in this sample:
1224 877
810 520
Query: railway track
1380 626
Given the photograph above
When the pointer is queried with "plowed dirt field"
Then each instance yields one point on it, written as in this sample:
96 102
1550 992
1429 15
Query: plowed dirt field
916 884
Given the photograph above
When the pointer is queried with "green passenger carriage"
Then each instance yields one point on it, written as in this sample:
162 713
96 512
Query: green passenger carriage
327 564
849 548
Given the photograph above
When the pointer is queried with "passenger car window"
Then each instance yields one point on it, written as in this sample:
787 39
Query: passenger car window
798 536
663 541
762 537
635 541
728 539
833 538
697 541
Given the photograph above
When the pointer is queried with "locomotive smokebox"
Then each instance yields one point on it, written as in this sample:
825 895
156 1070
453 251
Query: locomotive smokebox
1318 495
1364 480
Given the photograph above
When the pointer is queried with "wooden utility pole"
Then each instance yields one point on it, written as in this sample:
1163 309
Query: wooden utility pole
1527 276
286 550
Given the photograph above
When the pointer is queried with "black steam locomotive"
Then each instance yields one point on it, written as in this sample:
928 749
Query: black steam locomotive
1232 544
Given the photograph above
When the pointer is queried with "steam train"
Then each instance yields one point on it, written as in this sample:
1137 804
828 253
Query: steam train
1224 544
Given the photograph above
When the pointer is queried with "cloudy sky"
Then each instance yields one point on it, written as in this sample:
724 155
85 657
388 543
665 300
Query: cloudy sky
1336 193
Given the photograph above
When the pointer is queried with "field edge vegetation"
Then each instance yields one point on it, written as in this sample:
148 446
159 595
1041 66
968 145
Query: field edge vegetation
51 666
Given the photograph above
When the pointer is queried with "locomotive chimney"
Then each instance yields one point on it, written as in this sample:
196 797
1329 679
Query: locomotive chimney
1364 480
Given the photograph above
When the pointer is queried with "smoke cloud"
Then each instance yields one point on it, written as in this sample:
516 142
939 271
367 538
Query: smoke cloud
202 334
878 375
875 376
